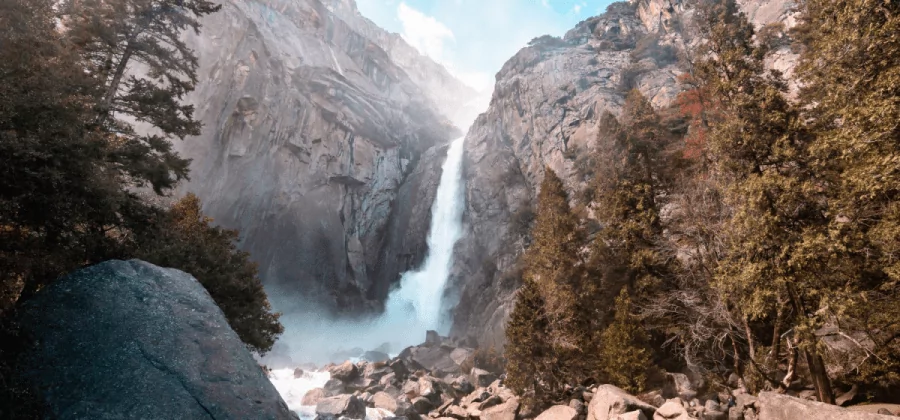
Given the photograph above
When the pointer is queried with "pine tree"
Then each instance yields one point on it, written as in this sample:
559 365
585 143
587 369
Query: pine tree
850 70
626 197
773 249
553 260
134 50
186 239
624 352
549 321
527 346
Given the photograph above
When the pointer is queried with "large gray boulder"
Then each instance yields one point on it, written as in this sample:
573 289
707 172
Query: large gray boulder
341 407
774 406
610 401
127 339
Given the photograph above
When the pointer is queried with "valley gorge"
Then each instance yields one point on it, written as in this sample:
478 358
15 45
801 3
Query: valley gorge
327 135
407 210
323 141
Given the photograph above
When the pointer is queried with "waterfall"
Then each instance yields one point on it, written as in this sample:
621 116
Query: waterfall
418 303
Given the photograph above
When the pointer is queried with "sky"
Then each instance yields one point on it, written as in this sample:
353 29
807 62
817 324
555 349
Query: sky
473 38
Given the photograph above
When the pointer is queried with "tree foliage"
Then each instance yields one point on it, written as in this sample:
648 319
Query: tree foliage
70 165
549 305
626 358
186 239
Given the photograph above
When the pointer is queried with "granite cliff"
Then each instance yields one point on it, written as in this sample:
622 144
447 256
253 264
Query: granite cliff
323 139
544 112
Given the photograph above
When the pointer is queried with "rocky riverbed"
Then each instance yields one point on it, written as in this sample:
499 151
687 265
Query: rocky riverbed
439 379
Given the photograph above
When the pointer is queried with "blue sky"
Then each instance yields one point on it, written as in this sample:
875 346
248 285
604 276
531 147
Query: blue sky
473 38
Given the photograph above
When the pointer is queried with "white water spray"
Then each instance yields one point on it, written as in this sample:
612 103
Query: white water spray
411 309
418 303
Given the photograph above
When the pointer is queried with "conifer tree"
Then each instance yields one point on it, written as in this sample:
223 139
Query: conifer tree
549 322
623 350
527 345
134 50
626 197
773 253
850 70
553 260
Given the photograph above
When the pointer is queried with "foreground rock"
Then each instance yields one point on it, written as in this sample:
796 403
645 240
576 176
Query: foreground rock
609 402
558 412
340 407
127 339
774 406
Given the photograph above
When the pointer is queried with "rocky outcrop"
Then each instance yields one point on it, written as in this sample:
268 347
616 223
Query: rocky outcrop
774 406
127 339
452 98
317 145
544 112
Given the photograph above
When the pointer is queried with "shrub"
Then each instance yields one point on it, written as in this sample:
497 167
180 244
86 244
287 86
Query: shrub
186 240
624 356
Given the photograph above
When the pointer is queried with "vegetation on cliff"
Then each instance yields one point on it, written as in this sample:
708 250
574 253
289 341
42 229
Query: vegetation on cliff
753 228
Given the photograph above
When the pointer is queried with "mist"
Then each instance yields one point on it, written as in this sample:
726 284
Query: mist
416 306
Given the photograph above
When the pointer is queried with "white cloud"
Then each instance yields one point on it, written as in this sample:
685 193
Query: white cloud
424 32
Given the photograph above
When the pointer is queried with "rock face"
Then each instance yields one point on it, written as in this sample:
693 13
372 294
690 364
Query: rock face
774 406
318 145
544 112
127 339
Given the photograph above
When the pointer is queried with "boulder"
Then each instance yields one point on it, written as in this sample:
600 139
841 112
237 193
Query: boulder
387 402
410 389
459 355
577 405
313 396
375 356
482 377
432 338
128 339
847 397
491 401
714 415
360 384
421 405
462 385
680 386
341 407
505 411
344 372
298 373
333 387
735 413
376 371
476 396
399 368
885 411
609 401
671 410
631 415
429 388
456 412
774 406
388 380
558 412
435 359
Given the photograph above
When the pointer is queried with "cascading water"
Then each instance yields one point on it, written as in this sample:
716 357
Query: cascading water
413 308
417 304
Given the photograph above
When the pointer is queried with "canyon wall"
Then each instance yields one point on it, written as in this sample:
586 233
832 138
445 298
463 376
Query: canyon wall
544 113
318 145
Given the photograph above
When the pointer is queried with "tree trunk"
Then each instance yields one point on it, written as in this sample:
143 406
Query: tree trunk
113 87
820 377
